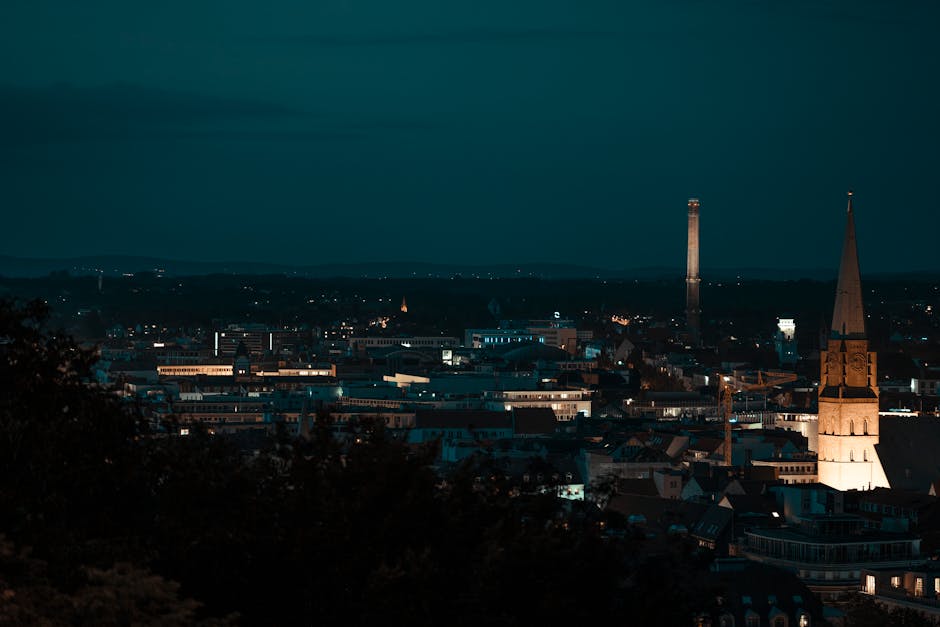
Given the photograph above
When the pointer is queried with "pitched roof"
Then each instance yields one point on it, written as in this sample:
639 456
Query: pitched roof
658 512
902 498
750 504
762 589
462 419
908 452
708 445
848 317
534 420
643 487
712 523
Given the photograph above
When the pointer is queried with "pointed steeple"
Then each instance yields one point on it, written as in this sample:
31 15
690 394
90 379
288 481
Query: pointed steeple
848 318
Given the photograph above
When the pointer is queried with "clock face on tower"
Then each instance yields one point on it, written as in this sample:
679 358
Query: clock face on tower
859 362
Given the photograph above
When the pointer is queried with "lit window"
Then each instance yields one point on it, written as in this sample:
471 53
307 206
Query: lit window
895 582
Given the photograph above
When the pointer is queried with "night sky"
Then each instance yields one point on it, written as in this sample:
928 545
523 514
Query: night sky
471 131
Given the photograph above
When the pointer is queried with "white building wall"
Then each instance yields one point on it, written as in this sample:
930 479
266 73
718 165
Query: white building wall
847 438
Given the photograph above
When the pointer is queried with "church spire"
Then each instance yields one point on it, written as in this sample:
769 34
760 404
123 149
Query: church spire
848 318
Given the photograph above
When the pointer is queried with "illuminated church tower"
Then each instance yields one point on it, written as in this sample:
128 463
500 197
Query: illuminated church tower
848 386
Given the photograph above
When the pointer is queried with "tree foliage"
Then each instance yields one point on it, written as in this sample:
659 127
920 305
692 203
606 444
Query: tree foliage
862 611
308 530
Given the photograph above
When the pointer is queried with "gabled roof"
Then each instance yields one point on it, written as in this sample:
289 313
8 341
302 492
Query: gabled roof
638 454
709 484
709 445
750 504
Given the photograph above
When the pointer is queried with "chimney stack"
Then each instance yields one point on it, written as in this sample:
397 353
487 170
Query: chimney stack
692 280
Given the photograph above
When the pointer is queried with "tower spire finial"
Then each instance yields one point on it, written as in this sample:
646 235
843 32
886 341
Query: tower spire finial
848 319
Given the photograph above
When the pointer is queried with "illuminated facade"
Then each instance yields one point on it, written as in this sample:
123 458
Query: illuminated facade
785 341
361 343
487 338
195 370
692 280
567 404
848 388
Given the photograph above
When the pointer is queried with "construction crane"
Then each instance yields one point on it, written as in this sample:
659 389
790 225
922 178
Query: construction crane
765 379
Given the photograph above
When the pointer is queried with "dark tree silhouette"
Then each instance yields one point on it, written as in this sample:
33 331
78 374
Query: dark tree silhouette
309 530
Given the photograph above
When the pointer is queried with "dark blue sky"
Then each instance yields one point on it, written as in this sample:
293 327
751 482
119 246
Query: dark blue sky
471 131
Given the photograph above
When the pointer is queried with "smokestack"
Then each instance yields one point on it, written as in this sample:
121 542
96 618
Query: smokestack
692 280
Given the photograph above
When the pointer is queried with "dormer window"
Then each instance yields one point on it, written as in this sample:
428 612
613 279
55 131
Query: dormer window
752 619
777 617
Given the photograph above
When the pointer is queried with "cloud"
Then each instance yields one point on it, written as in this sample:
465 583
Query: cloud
125 101
125 112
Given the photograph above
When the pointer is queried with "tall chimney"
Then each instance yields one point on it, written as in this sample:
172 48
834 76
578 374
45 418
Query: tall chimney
692 280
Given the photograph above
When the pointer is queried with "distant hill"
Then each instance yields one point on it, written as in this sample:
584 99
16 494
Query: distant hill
116 265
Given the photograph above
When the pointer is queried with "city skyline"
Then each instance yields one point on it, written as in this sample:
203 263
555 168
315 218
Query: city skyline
470 134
